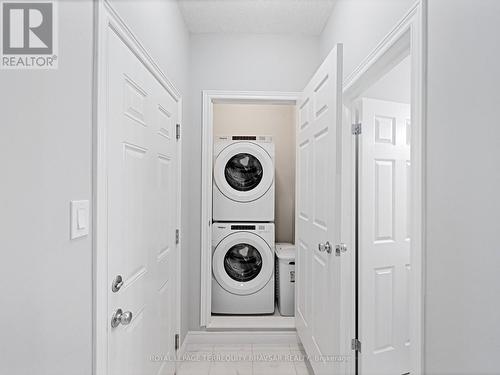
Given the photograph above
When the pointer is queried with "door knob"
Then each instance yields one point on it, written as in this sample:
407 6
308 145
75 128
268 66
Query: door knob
340 248
120 317
117 283
322 247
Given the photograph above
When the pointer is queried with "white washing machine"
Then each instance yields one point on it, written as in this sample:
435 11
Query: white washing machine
243 178
243 268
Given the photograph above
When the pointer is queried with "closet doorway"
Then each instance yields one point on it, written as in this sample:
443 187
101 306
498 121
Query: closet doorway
243 115
383 99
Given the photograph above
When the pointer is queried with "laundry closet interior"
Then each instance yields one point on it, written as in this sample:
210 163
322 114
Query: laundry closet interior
251 210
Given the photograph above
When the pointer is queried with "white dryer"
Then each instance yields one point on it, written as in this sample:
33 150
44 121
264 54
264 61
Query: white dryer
243 268
243 178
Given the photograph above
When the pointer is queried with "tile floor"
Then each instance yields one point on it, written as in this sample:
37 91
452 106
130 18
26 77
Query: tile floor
243 359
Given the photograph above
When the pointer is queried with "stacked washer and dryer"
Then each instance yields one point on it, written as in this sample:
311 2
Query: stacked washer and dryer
243 225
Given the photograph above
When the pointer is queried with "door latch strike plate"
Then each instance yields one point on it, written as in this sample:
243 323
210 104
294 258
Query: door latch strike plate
356 129
176 341
356 345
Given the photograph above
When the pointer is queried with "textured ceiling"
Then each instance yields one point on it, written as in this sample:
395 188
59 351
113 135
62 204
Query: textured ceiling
306 17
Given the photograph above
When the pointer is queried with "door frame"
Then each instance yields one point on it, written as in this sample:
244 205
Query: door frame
210 97
407 38
106 18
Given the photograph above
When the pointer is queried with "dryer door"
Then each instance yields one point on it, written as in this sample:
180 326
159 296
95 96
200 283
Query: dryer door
243 171
243 263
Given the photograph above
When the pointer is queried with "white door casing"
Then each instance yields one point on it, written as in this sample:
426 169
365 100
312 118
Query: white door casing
318 213
405 38
138 200
384 237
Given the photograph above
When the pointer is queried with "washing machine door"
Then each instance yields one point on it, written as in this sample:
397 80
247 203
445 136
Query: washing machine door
243 263
243 171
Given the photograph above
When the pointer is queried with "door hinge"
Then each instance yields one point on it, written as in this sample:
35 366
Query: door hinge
356 345
356 129
177 236
178 131
176 341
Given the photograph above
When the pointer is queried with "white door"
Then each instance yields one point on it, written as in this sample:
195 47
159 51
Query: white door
142 195
384 242
318 213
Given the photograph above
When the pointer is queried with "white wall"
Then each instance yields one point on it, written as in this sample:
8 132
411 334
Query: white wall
463 180
46 161
236 62
360 25
395 86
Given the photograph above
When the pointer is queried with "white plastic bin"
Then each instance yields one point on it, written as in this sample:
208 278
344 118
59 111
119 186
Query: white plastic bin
285 278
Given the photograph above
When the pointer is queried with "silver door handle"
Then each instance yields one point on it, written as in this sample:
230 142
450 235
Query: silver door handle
340 248
322 247
120 317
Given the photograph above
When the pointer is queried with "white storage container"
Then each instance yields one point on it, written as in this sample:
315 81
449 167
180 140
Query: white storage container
285 278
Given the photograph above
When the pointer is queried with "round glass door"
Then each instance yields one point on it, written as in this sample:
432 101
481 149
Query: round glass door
243 172
243 262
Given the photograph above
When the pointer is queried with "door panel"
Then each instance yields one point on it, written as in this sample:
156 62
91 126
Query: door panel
142 209
384 242
318 217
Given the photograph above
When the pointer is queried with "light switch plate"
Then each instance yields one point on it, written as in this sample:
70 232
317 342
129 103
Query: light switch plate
79 219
